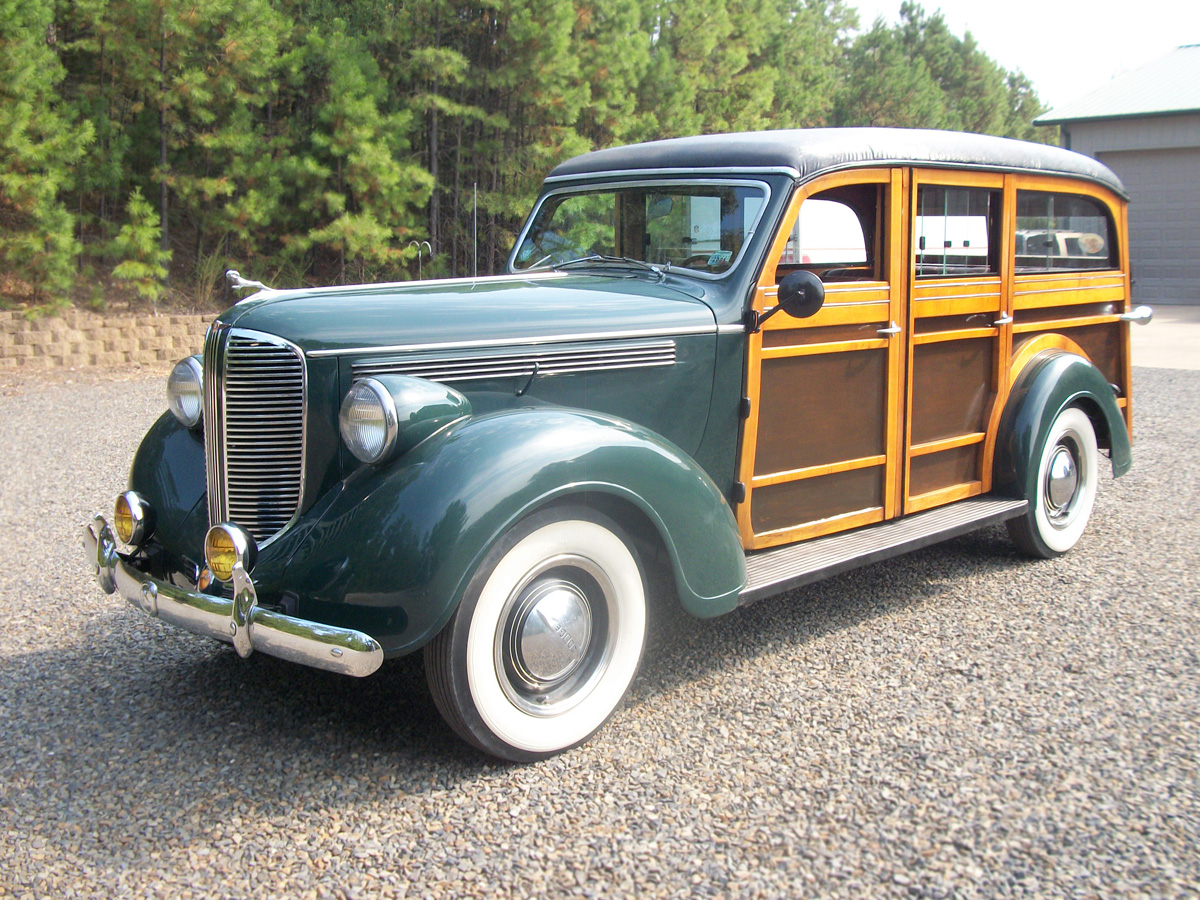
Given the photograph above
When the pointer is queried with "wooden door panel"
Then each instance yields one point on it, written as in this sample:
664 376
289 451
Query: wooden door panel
821 446
958 324
944 469
952 380
856 493
812 423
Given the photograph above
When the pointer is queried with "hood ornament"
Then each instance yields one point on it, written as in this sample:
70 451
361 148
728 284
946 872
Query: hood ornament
238 283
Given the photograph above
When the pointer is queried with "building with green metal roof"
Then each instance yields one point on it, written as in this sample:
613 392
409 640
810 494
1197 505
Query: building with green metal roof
1145 126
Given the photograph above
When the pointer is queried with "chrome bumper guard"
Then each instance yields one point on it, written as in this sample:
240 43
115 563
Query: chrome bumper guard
239 621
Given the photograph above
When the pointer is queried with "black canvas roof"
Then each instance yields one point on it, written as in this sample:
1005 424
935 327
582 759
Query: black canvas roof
808 152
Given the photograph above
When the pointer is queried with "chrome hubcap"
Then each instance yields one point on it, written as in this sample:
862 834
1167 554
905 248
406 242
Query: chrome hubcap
551 630
1062 481
553 638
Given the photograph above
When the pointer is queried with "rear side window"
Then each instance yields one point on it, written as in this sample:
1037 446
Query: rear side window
955 233
1058 231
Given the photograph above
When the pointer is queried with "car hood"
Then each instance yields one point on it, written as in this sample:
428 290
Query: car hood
489 310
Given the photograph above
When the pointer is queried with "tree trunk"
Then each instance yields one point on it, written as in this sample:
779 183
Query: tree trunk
435 206
165 239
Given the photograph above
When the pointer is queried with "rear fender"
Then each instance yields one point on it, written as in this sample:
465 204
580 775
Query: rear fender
1049 383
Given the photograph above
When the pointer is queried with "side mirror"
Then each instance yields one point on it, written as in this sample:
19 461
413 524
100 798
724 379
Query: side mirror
658 206
801 294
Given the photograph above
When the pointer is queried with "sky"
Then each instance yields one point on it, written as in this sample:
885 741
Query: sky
1067 48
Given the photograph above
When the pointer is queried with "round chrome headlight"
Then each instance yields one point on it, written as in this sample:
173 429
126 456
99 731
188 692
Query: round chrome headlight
368 421
185 391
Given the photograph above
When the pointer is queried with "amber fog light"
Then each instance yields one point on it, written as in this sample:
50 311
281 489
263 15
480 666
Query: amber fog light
133 519
225 546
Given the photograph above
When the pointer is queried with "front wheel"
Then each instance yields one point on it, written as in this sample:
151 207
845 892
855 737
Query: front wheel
546 641
1068 470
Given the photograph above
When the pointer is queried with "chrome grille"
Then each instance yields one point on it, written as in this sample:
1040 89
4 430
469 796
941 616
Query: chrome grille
566 360
254 430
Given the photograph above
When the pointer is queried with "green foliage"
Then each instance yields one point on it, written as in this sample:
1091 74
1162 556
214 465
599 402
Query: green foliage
314 140
39 145
917 74
143 264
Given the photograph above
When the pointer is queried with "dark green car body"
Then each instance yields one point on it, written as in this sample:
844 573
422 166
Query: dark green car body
619 388
388 550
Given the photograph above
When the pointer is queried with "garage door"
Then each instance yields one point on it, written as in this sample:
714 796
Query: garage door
1164 221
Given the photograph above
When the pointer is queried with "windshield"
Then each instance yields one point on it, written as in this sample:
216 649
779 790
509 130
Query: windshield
699 227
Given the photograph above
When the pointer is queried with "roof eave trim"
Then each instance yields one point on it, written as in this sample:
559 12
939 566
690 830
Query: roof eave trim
1157 114
672 172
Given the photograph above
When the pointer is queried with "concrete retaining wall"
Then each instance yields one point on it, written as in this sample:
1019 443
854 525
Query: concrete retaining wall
76 339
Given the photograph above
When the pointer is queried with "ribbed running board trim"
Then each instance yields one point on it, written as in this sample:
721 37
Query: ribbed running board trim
781 569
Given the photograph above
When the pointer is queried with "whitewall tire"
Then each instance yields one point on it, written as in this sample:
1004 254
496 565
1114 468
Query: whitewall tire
547 639
1068 469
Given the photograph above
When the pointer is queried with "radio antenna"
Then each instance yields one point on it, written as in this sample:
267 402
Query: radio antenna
475 227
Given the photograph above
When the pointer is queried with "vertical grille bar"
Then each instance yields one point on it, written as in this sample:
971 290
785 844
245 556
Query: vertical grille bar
257 397
214 420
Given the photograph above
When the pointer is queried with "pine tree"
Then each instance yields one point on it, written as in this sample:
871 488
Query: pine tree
884 84
143 261
356 183
39 144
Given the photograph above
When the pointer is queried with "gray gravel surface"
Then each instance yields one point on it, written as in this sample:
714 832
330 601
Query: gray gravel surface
956 723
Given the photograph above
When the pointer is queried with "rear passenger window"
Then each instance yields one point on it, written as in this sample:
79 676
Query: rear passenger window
956 231
1062 231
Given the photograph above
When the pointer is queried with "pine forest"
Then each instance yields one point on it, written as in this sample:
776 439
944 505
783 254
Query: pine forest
147 145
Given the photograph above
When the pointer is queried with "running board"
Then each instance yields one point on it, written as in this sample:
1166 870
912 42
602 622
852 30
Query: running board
775 571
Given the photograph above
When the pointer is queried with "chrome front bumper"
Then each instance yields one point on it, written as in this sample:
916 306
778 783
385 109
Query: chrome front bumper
239 621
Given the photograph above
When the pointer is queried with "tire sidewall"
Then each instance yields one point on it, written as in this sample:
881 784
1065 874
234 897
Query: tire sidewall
1074 423
485 715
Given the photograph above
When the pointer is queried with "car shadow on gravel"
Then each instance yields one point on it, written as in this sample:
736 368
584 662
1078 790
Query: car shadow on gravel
152 716
682 649
147 714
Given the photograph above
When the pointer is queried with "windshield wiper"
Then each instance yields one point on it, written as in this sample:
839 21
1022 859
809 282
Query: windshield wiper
599 259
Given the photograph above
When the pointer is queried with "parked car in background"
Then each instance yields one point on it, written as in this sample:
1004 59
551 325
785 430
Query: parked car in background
753 360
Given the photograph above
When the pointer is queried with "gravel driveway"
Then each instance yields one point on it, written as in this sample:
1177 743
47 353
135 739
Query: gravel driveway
955 723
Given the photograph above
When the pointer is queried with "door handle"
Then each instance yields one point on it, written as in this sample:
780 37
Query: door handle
1142 315
1005 319
895 329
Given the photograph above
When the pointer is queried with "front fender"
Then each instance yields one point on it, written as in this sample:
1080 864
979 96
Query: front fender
168 470
1052 381
394 552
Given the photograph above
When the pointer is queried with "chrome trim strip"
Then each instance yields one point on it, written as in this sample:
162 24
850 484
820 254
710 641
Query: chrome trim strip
702 179
1116 284
240 622
989 280
695 173
214 420
991 295
567 360
372 287
519 342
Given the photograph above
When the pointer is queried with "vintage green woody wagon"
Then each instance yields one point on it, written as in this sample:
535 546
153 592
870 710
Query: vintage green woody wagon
753 360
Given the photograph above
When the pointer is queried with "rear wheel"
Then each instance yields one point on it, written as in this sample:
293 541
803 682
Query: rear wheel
1068 471
547 639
